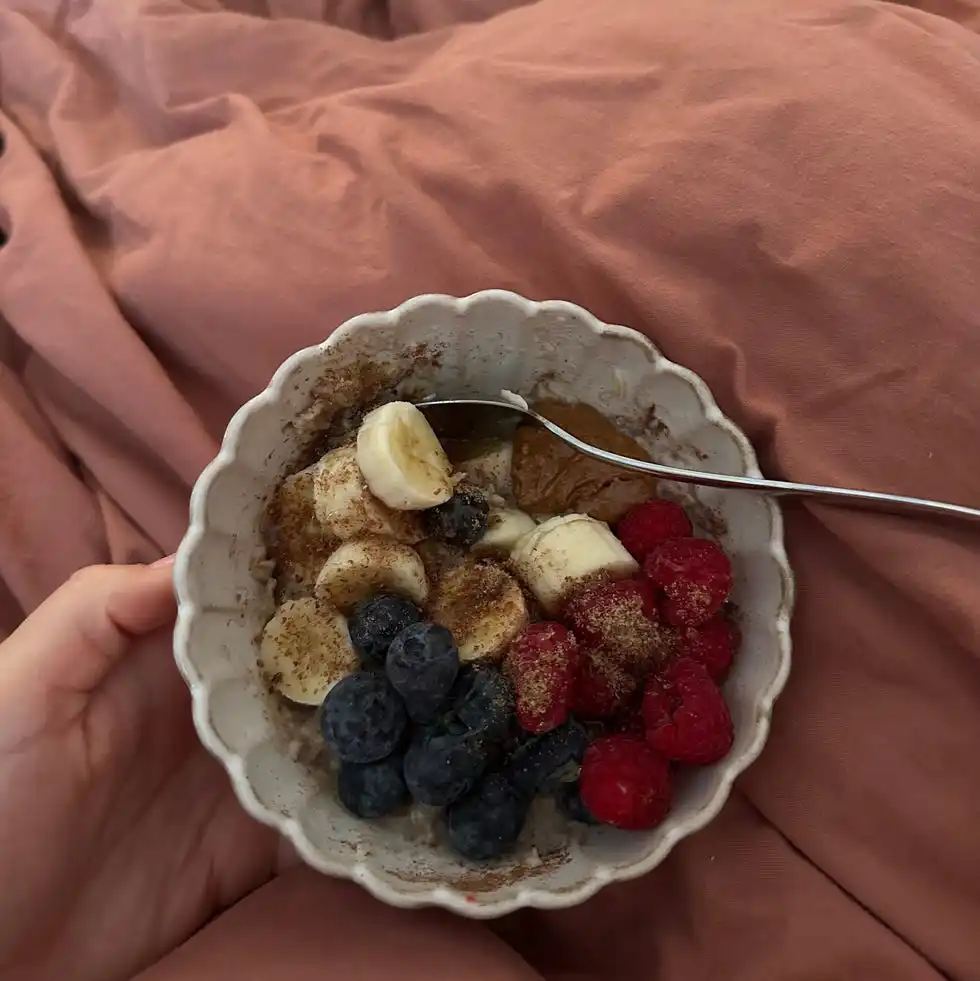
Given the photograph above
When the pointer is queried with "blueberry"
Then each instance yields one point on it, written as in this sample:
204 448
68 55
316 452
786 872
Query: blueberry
541 763
372 790
363 718
569 801
462 520
486 823
422 665
483 702
441 766
375 622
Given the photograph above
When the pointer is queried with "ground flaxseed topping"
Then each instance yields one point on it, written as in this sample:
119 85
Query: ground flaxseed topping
608 665
369 564
439 557
537 681
481 605
697 595
305 649
362 513
297 541
357 382
619 622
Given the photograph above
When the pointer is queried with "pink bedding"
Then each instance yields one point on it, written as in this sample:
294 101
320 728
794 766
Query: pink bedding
784 194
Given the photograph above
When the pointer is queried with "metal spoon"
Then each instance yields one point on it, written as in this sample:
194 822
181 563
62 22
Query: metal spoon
478 418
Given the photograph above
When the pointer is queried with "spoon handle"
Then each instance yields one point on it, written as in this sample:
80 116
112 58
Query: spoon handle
891 503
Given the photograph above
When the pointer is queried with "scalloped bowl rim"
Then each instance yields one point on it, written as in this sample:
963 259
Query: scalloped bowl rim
290 828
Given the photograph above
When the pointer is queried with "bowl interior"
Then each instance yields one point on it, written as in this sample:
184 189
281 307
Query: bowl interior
475 346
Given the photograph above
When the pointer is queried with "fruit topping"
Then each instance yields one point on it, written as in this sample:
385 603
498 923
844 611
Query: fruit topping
461 521
401 458
483 607
298 542
372 790
569 801
685 714
440 683
542 764
376 621
485 463
422 664
650 524
565 553
630 718
363 718
486 823
305 650
346 508
696 576
361 567
505 528
482 703
622 617
604 684
542 664
714 644
441 766
625 783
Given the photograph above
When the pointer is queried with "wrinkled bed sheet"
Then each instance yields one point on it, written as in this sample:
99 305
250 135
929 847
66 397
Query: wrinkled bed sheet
783 194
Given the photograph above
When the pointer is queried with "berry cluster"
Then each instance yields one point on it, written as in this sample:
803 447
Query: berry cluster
642 659
416 724
596 711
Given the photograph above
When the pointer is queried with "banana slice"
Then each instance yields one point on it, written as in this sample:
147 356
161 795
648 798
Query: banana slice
363 566
482 606
347 508
300 544
505 527
487 465
306 650
402 459
568 551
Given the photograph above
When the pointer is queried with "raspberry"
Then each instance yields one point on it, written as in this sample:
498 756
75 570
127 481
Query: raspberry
685 714
604 684
651 523
621 617
713 644
625 783
542 664
696 576
630 720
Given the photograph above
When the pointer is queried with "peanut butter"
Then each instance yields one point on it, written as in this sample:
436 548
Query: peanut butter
549 477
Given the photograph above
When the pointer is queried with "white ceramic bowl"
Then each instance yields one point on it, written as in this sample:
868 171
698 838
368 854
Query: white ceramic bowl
481 344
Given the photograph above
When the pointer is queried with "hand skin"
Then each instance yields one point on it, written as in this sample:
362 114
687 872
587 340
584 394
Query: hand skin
119 835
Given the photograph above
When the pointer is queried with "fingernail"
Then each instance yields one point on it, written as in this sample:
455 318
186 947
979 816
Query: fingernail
165 561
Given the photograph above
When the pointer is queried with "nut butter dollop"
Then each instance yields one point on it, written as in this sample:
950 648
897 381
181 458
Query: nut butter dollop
549 477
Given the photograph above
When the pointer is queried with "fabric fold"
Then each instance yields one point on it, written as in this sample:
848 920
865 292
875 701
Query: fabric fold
783 196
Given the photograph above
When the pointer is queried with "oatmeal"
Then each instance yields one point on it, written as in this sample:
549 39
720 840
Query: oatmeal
480 629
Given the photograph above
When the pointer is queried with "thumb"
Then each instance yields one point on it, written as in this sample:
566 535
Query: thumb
78 634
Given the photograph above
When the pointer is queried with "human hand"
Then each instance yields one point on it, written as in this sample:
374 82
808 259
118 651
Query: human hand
119 835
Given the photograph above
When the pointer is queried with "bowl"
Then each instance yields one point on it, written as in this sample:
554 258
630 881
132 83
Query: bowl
477 345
